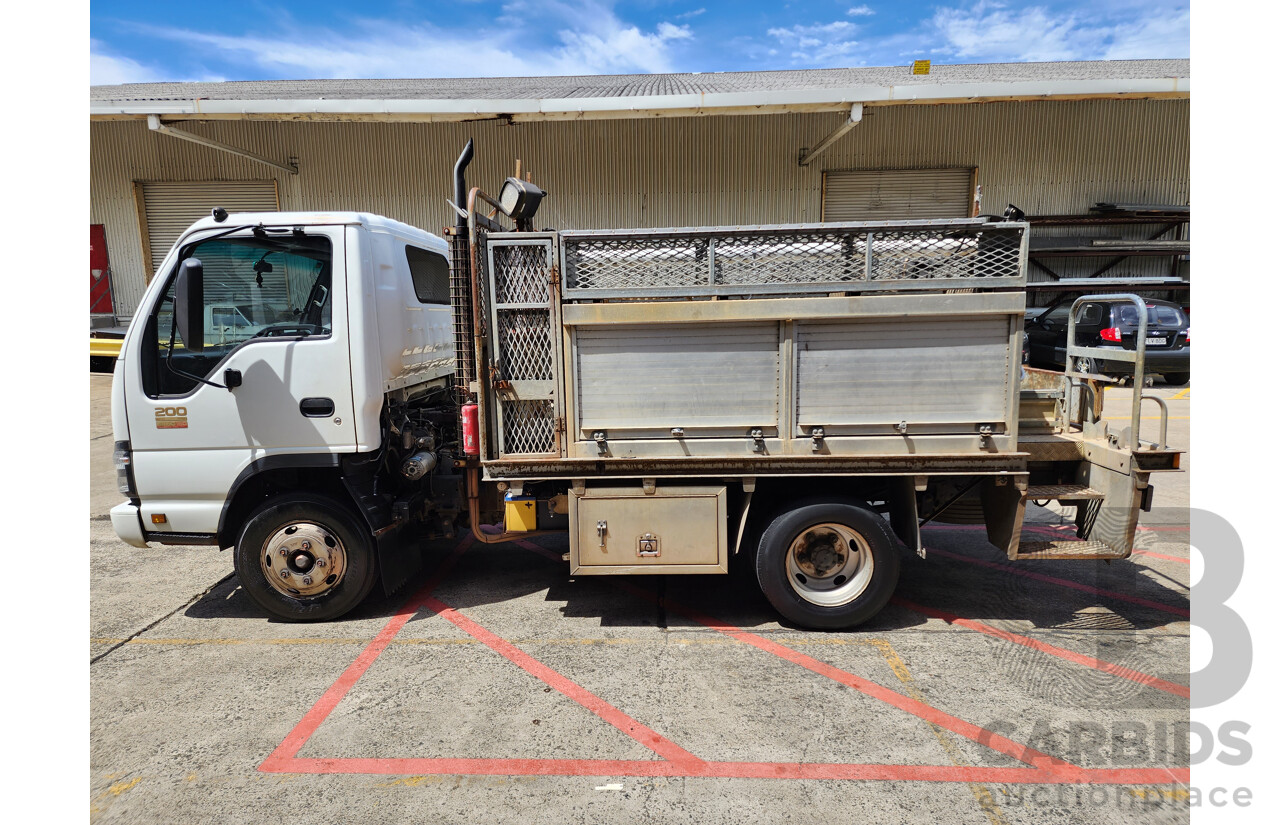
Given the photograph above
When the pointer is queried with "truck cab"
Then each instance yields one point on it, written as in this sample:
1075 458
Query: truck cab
307 331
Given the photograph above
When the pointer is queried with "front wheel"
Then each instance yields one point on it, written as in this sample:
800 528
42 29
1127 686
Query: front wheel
1177 378
827 565
305 558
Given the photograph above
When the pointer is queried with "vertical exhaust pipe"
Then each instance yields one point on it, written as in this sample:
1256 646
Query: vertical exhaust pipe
460 284
460 179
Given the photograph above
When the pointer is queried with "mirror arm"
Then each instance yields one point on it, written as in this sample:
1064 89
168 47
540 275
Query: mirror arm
168 362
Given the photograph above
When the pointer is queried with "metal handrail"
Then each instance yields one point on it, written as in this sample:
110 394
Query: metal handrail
1164 418
1138 355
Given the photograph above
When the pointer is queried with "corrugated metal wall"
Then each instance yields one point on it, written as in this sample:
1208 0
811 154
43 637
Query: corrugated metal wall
1046 157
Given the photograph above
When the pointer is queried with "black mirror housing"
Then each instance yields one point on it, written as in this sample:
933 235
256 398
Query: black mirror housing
188 304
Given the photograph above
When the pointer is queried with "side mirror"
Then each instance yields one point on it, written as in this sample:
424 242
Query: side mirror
188 304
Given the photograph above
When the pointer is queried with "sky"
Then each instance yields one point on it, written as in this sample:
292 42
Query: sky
137 41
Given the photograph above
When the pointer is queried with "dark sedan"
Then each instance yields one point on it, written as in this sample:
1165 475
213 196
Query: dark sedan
1113 324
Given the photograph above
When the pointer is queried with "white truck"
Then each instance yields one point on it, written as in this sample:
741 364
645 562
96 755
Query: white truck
795 399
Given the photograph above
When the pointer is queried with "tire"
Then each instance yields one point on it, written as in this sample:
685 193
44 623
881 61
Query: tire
1178 378
848 582
318 535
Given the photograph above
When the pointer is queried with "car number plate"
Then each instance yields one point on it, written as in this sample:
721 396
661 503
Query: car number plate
1156 342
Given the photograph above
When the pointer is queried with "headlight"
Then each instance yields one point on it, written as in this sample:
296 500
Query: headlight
123 457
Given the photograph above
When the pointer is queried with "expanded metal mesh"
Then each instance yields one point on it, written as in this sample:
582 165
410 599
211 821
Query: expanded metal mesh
524 339
618 263
903 256
460 302
528 426
520 274
818 256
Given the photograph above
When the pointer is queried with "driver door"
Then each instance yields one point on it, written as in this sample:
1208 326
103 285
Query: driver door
275 315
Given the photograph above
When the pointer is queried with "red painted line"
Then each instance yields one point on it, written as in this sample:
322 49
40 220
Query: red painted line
1044 647
928 713
650 739
1045 769
325 704
737 770
1161 556
1087 588
916 708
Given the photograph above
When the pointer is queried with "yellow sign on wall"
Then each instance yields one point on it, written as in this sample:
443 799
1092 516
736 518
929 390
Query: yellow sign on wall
920 67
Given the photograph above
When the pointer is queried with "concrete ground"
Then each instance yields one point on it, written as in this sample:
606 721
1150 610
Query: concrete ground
496 689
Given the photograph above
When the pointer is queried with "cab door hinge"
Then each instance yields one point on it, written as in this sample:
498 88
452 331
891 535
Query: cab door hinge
553 275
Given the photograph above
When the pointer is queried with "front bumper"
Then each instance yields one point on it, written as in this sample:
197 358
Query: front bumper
127 522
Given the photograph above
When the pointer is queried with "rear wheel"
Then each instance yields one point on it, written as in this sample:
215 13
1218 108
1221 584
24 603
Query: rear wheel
305 558
827 565
1178 378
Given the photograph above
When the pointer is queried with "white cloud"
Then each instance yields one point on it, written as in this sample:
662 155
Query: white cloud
108 70
590 39
1158 36
818 43
988 31
690 14
860 11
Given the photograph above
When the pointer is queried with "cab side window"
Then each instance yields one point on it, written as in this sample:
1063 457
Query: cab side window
430 273
259 287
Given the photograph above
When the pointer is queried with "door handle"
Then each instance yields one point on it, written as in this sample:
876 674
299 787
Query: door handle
316 407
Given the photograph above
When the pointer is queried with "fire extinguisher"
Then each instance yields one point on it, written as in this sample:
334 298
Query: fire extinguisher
471 429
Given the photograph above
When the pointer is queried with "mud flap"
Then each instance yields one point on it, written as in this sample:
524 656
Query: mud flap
904 517
399 559
1003 508
1114 519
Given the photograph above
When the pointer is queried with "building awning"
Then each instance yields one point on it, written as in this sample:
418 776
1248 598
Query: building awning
639 96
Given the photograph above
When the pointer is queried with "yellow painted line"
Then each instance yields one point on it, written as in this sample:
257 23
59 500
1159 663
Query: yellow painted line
1166 793
1183 393
986 800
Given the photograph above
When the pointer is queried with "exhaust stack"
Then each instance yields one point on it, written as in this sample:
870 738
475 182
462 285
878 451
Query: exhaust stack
460 283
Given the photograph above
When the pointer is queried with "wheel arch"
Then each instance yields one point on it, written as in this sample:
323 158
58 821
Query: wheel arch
775 496
273 475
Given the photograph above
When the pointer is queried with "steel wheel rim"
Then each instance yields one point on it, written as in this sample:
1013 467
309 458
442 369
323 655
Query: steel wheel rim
829 565
303 560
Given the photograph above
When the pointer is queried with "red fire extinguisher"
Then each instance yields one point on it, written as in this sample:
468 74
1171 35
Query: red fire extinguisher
470 429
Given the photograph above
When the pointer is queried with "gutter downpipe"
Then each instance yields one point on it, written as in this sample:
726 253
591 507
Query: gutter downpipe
154 124
855 117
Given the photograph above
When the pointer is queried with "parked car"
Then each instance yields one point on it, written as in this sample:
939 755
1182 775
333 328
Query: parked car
1112 323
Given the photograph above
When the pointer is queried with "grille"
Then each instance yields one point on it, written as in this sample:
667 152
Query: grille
796 259
528 426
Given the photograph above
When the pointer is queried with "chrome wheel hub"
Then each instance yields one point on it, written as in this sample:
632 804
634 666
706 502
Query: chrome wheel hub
303 560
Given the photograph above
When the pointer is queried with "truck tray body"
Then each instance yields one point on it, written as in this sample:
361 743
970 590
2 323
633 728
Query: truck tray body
846 348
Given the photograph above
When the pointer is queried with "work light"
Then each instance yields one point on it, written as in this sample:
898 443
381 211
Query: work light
520 199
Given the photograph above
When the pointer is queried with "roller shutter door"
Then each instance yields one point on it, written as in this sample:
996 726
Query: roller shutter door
172 206
897 194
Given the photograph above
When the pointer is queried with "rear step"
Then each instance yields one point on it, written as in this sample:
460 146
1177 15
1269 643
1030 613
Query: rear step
1066 549
1031 546
1063 492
